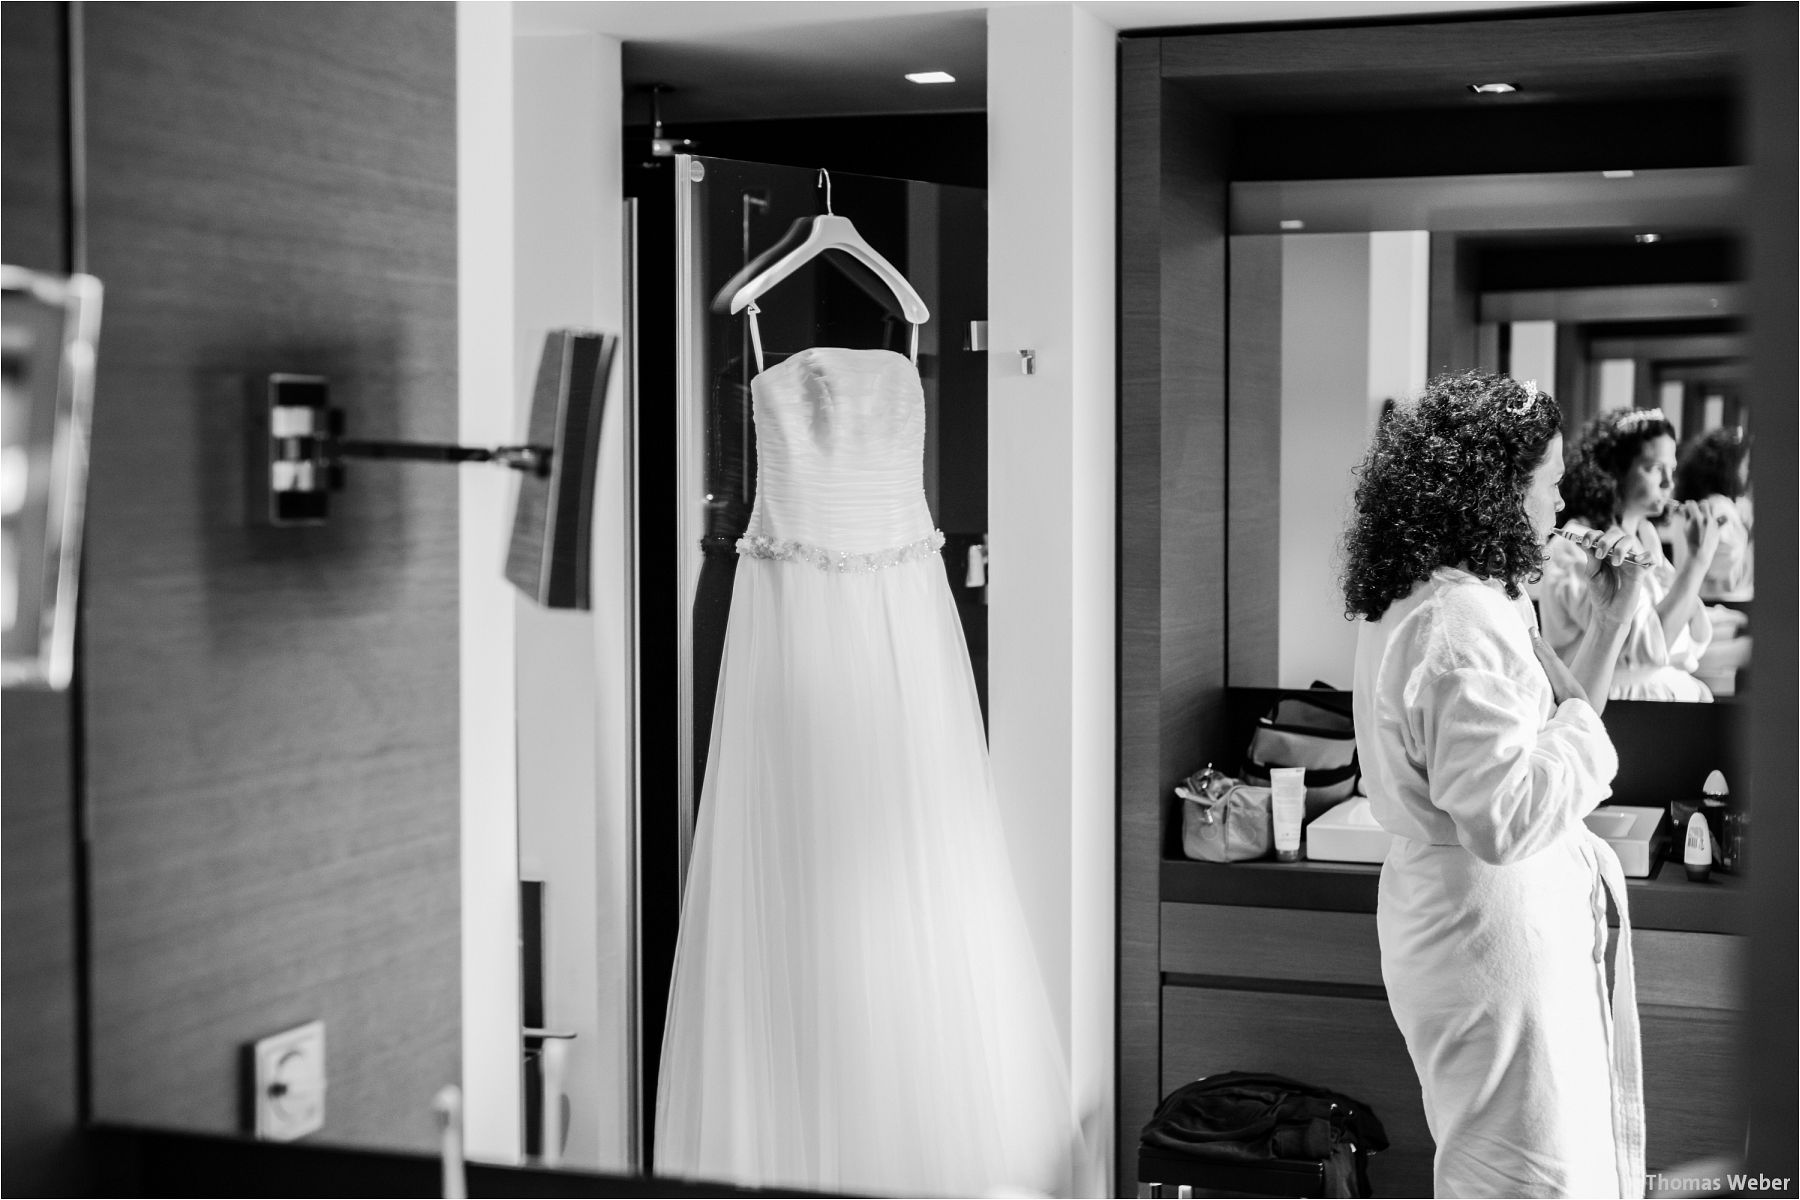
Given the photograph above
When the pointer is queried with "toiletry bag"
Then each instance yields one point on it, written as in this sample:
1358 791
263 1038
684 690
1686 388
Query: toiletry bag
1313 734
1223 819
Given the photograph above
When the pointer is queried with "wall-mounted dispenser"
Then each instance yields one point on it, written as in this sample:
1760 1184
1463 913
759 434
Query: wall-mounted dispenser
298 450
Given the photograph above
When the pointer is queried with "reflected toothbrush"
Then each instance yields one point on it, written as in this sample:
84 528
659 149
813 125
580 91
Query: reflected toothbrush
1590 540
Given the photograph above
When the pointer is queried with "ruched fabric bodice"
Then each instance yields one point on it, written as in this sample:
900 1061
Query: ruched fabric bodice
840 449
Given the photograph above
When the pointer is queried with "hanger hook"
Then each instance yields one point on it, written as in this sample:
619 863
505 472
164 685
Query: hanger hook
825 182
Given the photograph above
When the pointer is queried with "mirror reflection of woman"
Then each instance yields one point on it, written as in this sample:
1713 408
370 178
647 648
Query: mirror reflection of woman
1712 476
1619 480
1713 473
1482 753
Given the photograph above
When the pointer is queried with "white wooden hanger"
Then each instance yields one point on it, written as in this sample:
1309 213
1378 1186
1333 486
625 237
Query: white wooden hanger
828 232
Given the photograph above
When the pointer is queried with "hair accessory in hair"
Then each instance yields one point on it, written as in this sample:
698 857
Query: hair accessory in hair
1637 418
1531 395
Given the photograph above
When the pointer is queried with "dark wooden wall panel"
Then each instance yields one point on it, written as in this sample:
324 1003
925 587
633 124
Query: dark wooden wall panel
40 1033
272 714
34 187
1140 598
1294 69
39 1026
1770 1053
1171 512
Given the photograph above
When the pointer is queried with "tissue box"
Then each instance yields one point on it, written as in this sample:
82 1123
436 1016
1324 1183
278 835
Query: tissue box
1632 831
1348 833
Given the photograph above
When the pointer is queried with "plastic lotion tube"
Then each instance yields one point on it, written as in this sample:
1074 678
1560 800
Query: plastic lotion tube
1287 809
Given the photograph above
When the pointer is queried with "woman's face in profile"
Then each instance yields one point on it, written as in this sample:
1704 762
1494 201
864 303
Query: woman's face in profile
1650 479
1543 499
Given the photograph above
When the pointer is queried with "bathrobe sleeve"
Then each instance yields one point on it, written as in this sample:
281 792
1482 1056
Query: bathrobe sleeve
1511 781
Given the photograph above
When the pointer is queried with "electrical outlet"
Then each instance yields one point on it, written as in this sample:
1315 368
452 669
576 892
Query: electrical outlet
290 1083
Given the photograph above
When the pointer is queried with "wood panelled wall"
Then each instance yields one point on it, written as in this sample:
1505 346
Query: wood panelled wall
41 1033
1171 522
1769 1053
271 714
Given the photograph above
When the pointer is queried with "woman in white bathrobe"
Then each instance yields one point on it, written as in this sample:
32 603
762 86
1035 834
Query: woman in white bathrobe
1481 753
1620 478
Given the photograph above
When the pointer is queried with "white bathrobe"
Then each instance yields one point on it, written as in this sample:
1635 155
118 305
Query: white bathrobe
1492 909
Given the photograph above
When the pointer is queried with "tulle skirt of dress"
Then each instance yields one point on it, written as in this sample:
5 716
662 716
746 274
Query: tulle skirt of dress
856 1004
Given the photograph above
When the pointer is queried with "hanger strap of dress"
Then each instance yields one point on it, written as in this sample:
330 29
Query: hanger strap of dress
755 335
756 338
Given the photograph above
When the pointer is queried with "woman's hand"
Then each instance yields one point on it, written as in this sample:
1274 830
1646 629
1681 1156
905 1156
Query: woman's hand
1701 527
1622 557
1563 684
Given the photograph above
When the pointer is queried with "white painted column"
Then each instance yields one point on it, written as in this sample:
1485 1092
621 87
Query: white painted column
573 681
1534 355
486 416
1399 316
1052 504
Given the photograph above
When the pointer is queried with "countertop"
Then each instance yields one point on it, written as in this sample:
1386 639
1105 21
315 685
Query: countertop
1665 900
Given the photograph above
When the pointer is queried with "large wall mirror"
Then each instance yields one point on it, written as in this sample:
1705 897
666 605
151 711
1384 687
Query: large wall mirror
1613 289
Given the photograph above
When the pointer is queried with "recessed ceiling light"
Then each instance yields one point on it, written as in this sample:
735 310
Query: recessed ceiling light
1617 174
1646 239
1493 89
1293 224
932 77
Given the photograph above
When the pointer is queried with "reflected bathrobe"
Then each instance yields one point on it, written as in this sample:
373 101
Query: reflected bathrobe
1650 665
1492 904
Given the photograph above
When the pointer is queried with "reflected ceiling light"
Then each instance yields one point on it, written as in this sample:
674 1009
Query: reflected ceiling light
931 77
1293 224
1646 239
1617 174
1493 89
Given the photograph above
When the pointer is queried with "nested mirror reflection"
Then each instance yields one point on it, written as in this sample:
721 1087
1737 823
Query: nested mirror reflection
1620 293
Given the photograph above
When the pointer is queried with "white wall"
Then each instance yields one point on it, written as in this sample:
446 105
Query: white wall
1533 353
1052 512
1399 316
1353 333
486 415
573 675
1324 410
1615 383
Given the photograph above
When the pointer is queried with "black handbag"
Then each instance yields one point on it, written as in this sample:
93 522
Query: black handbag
1312 733
1254 1119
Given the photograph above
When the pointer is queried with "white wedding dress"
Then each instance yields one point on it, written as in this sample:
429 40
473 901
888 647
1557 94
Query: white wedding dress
856 1004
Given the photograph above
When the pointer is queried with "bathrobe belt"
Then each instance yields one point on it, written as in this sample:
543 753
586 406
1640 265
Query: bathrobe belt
1624 1045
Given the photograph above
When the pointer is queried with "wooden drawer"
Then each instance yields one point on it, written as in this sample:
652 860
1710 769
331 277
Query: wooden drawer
1238 942
1688 970
1693 1097
1674 968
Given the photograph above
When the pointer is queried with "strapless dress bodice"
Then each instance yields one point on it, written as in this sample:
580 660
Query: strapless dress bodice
840 436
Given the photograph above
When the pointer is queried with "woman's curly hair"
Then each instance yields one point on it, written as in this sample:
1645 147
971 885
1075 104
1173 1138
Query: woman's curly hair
1709 465
1444 484
1595 465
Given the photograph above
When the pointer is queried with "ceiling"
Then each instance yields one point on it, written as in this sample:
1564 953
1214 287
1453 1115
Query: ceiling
725 60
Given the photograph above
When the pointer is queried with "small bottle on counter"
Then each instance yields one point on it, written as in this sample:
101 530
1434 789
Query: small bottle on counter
1725 822
1697 851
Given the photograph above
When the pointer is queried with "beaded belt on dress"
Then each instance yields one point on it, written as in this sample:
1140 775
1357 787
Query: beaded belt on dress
843 561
